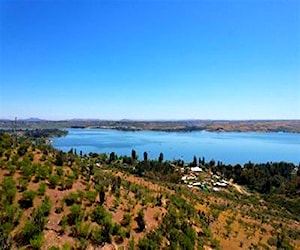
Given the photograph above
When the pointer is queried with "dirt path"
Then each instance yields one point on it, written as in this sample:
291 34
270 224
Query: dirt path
240 189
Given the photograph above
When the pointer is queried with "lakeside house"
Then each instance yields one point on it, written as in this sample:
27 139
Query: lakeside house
196 169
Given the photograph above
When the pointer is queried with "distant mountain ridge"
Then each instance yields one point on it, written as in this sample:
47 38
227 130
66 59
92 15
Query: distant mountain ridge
32 119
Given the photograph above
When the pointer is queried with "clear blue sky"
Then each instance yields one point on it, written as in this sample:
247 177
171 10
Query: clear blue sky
234 59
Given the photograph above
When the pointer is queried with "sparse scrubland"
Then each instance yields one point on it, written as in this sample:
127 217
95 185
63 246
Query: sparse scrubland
55 200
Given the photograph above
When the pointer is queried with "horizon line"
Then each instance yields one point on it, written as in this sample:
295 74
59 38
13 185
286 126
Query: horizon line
35 119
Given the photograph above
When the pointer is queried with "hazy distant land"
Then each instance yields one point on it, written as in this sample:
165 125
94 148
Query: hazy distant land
290 126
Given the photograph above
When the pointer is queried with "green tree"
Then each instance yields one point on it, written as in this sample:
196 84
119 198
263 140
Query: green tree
63 223
53 180
112 157
133 155
102 195
195 161
75 214
37 241
99 214
161 157
23 148
27 199
141 221
145 156
8 190
42 188
126 220
59 159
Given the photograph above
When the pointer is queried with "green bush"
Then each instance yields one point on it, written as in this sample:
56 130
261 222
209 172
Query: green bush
126 220
63 223
71 199
141 221
69 183
53 180
118 232
26 168
22 184
45 207
42 173
42 188
29 231
12 169
37 241
23 148
59 171
53 248
27 199
81 230
91 196
8 190
75 214
35 225
66 246
97 236
99 215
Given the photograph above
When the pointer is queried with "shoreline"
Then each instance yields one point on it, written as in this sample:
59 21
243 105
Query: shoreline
267 126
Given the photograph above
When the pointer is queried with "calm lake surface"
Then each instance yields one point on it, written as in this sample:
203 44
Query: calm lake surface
230 148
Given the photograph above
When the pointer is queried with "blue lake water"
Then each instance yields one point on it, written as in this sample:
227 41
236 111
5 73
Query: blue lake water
230 148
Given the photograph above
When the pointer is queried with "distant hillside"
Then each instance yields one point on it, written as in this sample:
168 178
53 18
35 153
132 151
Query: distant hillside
32 119
291 126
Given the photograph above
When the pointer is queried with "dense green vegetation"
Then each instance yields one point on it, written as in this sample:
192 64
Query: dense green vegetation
278 182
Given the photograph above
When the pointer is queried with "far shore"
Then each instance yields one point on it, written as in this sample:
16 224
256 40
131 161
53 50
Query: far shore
266 126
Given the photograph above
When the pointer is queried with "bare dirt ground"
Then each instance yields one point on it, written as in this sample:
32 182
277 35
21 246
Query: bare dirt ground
240 189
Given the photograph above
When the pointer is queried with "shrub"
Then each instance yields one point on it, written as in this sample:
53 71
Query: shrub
97 236
71 199
22 184
12 169
118 232
53 248
99 215
11 214
23 149
126 219
131 245
75 214
27 199
26 168
28 232
53 180
42 172
107 227
45 206
42 188
8 190
81 230
37 241
63 223
69 183
91 196
141 221
66 246
59 171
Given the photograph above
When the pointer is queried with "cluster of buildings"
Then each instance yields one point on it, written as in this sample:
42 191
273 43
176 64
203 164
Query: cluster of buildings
196 177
